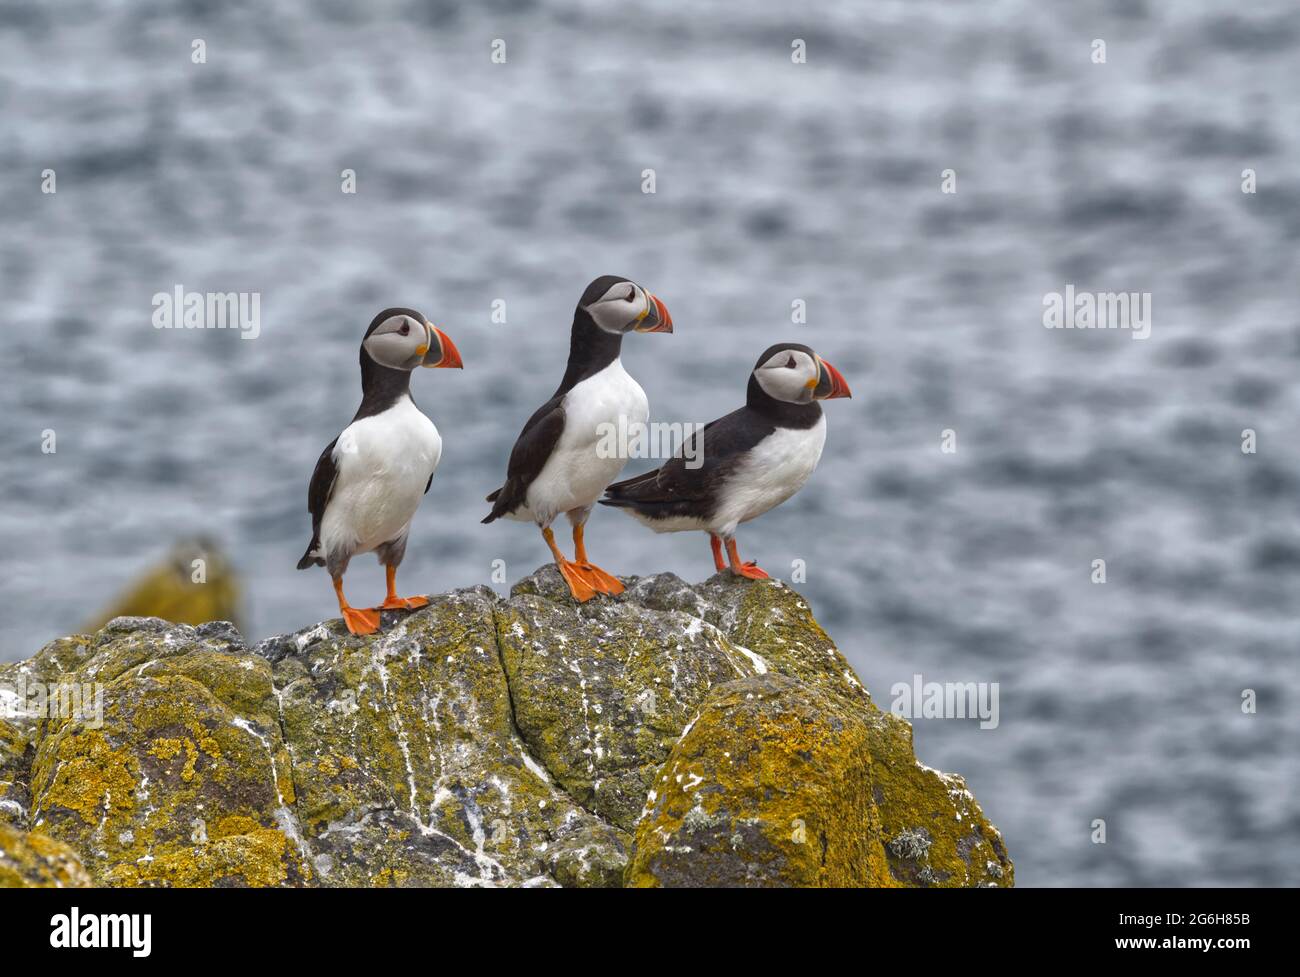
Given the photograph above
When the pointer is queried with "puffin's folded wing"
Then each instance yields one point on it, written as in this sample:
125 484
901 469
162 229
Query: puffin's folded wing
528 457
322 485
676 483
667 486
318 497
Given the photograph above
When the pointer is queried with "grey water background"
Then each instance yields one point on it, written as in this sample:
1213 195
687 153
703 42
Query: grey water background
522 181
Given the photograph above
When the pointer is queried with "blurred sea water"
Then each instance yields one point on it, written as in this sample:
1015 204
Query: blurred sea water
775 182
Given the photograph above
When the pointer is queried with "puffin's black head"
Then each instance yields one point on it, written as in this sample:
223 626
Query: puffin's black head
402 339
794 374
618 306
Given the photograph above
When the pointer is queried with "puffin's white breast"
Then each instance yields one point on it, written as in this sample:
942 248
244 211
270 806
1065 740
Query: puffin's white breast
384 463
577 472
772 471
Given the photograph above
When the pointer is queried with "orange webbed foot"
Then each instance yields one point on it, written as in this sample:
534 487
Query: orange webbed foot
361 620
396 603
573 575
593 576
748 569
598 580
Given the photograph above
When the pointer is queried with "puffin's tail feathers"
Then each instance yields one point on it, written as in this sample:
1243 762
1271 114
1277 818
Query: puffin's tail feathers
312 556
492 498
504 501
626 489
643 498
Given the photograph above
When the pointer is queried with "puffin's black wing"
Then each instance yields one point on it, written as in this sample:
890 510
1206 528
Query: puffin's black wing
318 496
527 458
677 490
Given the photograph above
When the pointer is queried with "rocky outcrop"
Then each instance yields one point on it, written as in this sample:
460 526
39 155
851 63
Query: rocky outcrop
677 735
32 861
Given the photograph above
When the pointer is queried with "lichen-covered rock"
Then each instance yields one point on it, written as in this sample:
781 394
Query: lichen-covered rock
180 775
589 859
15 766
771 785
676 735
779 782
602 690
769 620
408 764
935 834
32 861
777 625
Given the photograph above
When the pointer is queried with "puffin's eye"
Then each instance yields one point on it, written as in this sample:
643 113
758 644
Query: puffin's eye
631 294
406 329
790 364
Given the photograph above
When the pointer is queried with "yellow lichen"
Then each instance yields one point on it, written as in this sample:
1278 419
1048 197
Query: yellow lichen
91 777
33 860
771 786
165 749
235 824
255 858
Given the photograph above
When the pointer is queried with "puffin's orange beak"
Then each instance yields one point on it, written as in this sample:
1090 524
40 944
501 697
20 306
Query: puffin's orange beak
660 320
831 383
450 354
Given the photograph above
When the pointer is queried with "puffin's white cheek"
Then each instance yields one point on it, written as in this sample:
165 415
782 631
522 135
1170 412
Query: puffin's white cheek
775 383
388 350
786 384
606 319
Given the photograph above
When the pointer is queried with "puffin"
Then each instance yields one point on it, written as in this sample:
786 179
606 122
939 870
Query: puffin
555 465
752 460
369 480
